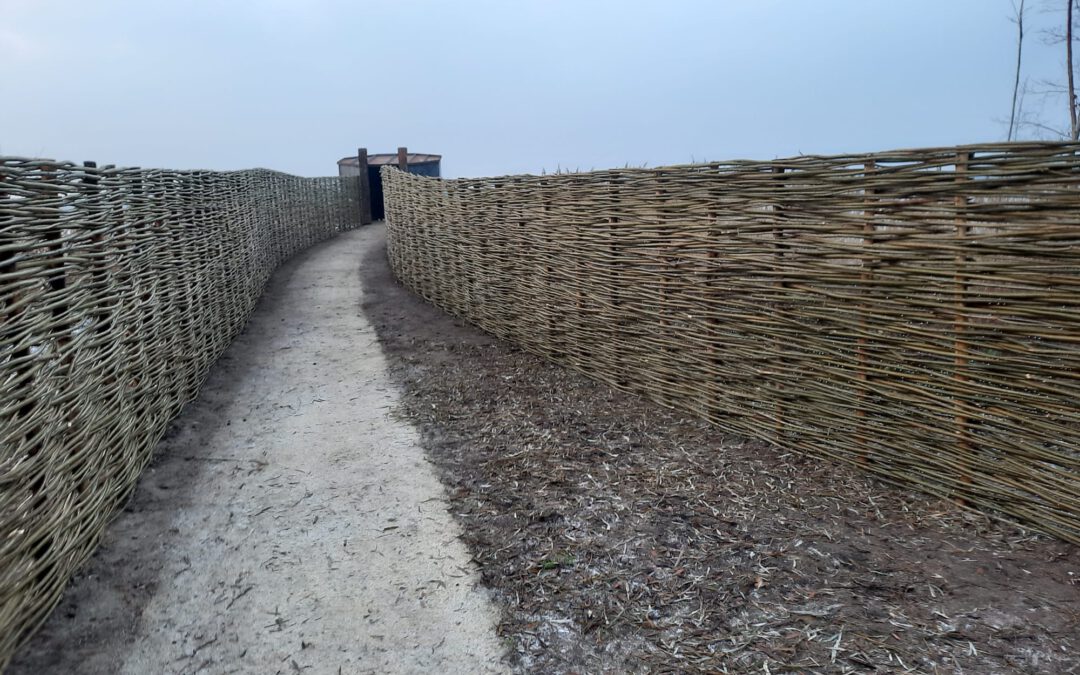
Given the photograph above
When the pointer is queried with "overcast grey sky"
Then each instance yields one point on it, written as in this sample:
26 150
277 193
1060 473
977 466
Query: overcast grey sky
503 86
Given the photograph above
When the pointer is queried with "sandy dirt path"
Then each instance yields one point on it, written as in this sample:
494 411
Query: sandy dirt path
289 524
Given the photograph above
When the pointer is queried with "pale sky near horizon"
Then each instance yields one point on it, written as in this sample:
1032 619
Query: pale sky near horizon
506 86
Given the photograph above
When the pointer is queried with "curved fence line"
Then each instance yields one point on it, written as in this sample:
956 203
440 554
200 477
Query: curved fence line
916 313
119 287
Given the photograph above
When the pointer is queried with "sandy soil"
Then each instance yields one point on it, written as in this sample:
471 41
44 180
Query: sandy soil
621 536
288 523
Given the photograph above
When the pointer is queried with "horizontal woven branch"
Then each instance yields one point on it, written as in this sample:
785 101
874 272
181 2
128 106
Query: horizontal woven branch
916 313
118 289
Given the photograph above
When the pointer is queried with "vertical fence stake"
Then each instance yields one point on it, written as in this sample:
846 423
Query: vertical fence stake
403 158
780 285
9 325
517 249
960 326
91 193
57 280
583 350
865 279
616 321
6 267
546 285
712 254
663 286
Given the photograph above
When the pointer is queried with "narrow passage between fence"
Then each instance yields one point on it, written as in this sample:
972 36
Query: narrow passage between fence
287 519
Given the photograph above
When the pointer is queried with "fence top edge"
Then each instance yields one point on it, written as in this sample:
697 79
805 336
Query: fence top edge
942 154
15 162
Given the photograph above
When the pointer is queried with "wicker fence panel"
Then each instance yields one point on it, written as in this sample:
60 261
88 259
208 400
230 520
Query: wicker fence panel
118 289
916 313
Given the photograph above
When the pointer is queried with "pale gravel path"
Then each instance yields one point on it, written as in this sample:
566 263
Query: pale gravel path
290 523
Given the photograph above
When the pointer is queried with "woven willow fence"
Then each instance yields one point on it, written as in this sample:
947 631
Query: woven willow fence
118 289
916 313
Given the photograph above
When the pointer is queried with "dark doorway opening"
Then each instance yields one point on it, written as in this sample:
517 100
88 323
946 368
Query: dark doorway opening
418 163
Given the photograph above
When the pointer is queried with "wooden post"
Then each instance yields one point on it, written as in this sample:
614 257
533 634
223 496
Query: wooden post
110 197
709 406
365 187
10 309
615 299
781 248
960 325
5 256
583 353
544 333
669 259
57 280
520 277
91 191
403 158
865 279
550 305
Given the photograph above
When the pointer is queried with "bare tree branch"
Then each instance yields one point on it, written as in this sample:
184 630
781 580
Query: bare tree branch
1073 128
1058 133
1049 88
1019 53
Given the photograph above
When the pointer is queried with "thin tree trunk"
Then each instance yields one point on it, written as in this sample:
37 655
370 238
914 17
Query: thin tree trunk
1069 63
1019 54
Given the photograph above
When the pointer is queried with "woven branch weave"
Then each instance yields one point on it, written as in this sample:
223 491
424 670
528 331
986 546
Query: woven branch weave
118 289
916 313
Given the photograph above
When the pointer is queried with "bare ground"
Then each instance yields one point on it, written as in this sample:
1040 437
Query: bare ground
287 524
621 536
